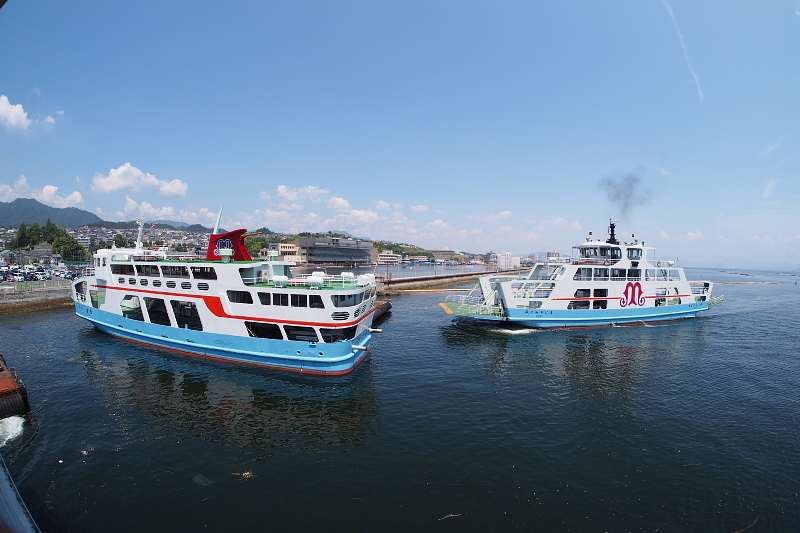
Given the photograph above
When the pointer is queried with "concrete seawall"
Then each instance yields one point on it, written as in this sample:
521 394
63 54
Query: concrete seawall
16 301
396 286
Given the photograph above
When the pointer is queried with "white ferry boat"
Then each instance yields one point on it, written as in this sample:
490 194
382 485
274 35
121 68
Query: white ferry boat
230 307
604 283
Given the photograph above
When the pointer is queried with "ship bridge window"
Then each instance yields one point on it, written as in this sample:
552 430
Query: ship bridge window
157 311
617 274
347 300
264 330
300 333
204 273
601 274
336 335
175 271
186 315
131 307
634 254
122 269
240 297
148 270
299 300
582 274
315 301
605 252
589 252
616 253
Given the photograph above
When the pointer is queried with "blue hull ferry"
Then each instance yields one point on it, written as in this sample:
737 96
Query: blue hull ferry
604 283
229 307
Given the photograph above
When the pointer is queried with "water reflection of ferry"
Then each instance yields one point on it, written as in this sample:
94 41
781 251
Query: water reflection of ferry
596 366
232 405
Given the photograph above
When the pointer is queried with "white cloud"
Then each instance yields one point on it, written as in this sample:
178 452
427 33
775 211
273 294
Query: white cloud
133 209
129 177
291 207
49 197
175 187
20 188
491 217
353 219
309 192
384 206
690 236
264 195
13 115
439 223
339 204
203 216
419 208
768 189
47 194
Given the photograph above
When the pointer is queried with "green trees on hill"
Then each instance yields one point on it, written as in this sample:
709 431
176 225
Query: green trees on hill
62 242
402 249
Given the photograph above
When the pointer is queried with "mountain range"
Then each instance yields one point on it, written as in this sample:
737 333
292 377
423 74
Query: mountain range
30 211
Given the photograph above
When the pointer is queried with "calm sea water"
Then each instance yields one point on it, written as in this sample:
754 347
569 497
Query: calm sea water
450 425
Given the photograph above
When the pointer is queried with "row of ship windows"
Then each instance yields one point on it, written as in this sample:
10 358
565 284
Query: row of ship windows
157 283
185 316
169 271
300 300
266 298
633 274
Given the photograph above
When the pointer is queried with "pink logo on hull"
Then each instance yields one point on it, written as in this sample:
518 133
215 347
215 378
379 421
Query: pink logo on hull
633 295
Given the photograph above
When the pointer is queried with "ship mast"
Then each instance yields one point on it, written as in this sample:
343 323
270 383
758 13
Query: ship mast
612 225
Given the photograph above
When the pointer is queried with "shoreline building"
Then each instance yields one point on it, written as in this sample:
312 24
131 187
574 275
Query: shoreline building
335 251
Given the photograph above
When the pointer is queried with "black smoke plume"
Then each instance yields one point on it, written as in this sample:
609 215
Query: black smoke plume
625 192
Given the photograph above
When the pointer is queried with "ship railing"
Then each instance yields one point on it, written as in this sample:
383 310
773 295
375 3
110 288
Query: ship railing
460 299
475 305
482 309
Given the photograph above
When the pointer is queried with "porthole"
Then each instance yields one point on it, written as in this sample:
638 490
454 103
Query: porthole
171 284
143 282
202 286
156 283
186 285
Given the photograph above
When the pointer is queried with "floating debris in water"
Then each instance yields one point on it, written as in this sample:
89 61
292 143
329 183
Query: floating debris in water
245 475
202 480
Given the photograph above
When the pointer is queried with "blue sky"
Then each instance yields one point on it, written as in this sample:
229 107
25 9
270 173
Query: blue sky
476 126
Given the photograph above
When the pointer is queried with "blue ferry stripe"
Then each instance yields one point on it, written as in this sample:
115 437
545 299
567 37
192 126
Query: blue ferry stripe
246 363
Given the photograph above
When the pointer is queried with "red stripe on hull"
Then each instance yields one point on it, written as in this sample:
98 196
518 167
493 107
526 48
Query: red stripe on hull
214 304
